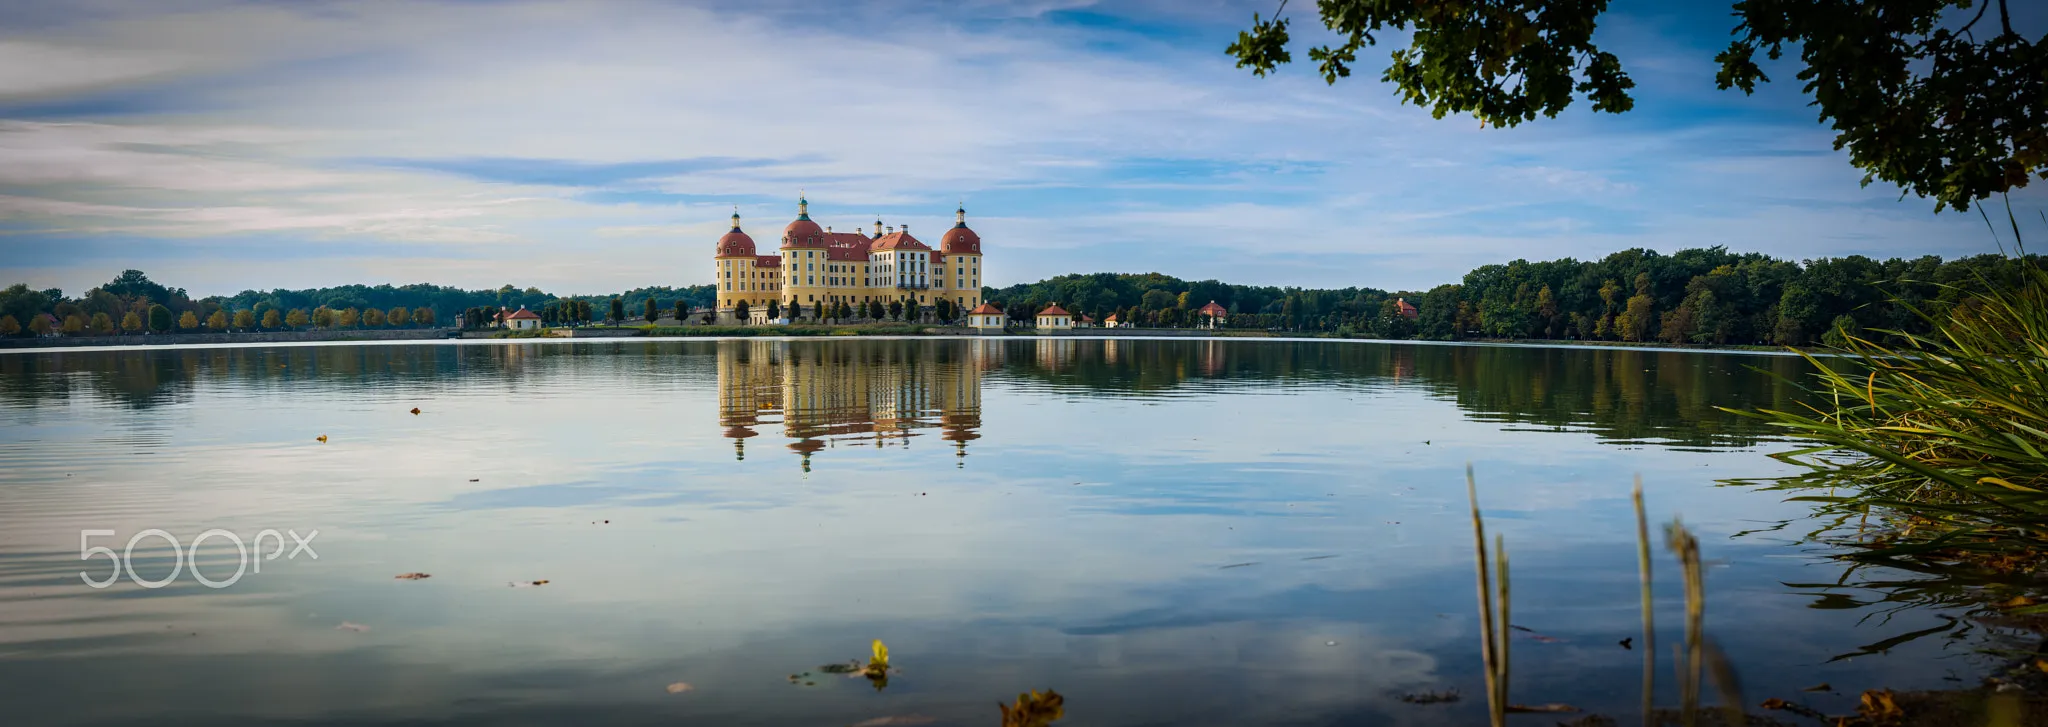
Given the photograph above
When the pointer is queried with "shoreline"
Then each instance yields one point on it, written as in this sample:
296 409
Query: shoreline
615 335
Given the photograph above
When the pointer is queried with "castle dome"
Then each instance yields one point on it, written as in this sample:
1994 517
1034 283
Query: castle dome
960 240
802 232
735 243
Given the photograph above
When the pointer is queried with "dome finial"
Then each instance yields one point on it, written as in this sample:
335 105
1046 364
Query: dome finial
960 214
803 205
735 218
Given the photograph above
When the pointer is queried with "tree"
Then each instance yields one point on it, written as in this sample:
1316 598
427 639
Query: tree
796 310
618 311
347 318
217 321
398 316
245 319
682 310
296 319
875 310
9 326
423 317
373 318
774 310
745 312
1912 93
896 309
189 321
159 318
653 311
40 324
130 322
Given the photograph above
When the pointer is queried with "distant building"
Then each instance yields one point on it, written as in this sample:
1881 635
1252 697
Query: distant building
985 318
1112 321
816 266
1406 308
1055 318
522 320
1211 313
1083 321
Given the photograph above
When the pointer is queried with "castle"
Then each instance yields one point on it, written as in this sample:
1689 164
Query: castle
818 267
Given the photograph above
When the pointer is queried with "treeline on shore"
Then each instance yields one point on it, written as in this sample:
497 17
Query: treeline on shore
1695 296
131 303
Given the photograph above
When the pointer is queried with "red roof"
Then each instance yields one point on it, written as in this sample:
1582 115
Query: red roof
1110 317
767 261
897 241
1085 319
1054 310
846 246
985 310
802 232
960 241
1407 309
1212 310
523 315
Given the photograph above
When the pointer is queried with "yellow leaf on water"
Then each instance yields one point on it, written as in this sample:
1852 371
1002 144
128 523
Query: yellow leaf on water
881 655
322 438
679 687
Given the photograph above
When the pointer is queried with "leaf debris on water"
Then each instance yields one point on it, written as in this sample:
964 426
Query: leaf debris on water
679 687
1552 707
352 626
1426 697
412 576
526 584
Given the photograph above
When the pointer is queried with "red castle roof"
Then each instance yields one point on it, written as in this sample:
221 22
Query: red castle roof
522 315
1054 310
1213 310
985 310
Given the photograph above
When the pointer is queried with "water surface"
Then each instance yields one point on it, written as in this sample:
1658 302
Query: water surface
1167 532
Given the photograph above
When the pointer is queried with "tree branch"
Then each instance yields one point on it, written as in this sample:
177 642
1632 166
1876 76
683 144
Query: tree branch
2004 17
1960 31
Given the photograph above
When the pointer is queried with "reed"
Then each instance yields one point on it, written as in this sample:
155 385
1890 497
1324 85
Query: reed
1493 634
1944 435
1649 610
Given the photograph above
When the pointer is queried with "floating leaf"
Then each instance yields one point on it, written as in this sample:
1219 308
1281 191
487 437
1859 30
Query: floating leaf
1034 710
679 687
1878 705
412 576
881 658
526 584
351 626
322 438
1821 687
1443 697
415 411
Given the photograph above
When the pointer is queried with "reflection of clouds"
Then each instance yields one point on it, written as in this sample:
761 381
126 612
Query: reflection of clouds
1084 549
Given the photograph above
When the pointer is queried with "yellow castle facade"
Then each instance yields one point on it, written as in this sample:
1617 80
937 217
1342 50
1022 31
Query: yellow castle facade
815 266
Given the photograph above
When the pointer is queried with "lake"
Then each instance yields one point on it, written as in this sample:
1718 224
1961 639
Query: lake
1166 532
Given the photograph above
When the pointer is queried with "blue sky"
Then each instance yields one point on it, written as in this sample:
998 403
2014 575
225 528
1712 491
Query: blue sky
592 147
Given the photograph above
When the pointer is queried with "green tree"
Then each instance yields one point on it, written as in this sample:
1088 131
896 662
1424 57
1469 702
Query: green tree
159 318
423 317
9 326
271 319
296 319
774 309
682 310
896 309
652 313
100 324
40 324
1840 331
744 312
875 310
796 310
189 321
398 316
1910 89
130 322
245 319
373 318
618 311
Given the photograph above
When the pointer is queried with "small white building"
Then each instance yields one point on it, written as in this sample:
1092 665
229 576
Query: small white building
1112 321
523 320
985 318
1055 318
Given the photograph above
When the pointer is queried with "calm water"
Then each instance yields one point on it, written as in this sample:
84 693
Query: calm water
1166 532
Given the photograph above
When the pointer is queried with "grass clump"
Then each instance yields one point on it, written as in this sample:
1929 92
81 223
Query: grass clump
1943 436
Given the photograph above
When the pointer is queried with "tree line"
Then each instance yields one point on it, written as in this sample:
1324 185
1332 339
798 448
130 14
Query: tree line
132 303
1694 296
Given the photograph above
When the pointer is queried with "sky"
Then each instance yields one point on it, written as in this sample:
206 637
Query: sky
591 147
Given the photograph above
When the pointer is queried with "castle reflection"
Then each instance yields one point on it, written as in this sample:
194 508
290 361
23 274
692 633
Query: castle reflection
878 395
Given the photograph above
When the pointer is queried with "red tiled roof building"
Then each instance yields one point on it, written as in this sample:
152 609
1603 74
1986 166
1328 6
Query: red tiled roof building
816 266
